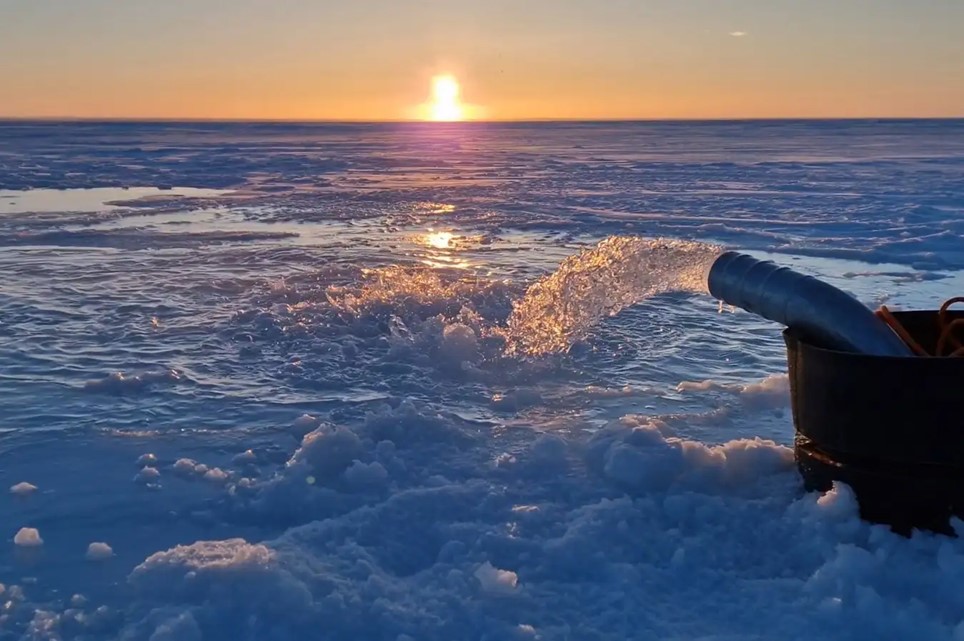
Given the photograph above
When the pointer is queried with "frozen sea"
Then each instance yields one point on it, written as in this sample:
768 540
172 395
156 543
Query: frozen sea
275 374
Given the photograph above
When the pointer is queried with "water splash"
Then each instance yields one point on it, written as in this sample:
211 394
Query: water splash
417 293
618 272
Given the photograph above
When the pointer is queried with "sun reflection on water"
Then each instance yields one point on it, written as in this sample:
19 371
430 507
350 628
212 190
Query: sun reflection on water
442 247
440 240
434 208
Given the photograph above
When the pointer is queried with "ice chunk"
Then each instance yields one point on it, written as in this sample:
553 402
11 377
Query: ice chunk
99 551
216 475
28 537
147 459
23 488
147 475
247 456
43 625
327 452
185 466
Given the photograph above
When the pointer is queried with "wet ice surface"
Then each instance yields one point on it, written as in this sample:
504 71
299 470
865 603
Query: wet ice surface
95 199
286 409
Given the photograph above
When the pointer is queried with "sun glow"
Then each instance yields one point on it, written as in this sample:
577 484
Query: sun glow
446 106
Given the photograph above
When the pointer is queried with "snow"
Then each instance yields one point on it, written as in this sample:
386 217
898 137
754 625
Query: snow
304 424
99 551
496 581
247 456
326 453
147 475
185 466
366 475
28 537
23 489
216 475
352 440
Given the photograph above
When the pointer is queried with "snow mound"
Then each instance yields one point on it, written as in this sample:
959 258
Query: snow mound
640 454
494 580
185 466
216 475
247 456
28 537
304 424
23 489
147 475
229 576
327 452
98 551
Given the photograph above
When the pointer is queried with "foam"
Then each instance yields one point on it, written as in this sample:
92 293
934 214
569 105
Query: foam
768 393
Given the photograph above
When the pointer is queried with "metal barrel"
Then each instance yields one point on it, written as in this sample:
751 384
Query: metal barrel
821 311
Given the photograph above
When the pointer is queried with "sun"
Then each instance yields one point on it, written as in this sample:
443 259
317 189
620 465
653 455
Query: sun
446 106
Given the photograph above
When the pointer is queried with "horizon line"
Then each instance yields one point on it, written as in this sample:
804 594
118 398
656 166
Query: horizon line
338 121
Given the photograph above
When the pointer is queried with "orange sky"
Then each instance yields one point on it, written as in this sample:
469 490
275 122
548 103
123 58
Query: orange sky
374 59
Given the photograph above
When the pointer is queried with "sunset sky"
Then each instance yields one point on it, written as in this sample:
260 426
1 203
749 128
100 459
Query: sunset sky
513 59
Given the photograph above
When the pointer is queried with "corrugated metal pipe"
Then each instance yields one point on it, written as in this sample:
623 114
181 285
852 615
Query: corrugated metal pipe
828 315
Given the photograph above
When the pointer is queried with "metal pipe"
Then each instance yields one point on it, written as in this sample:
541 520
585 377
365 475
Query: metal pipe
828 315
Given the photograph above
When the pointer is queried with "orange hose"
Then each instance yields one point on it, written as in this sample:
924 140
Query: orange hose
947 329
905 336
946 340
